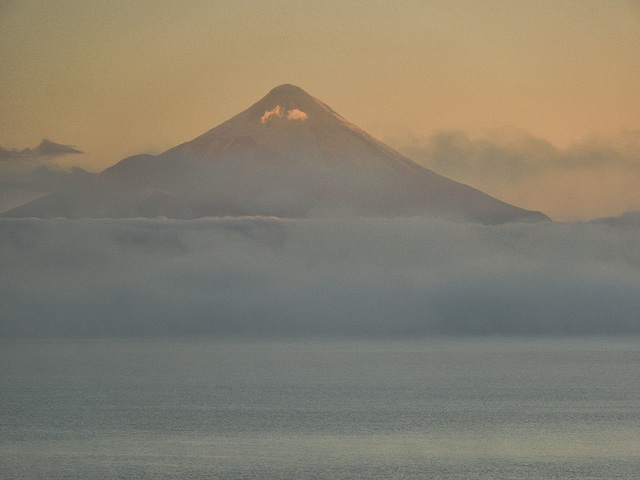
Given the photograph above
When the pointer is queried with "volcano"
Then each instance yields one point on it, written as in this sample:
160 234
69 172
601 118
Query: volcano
288 155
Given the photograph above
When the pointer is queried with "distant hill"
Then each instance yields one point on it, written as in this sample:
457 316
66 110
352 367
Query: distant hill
628 219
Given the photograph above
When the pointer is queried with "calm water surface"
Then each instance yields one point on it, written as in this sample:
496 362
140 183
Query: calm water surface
200 409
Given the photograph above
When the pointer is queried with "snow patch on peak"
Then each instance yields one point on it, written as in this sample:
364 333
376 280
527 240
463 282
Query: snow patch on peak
296 114
269 114
279 112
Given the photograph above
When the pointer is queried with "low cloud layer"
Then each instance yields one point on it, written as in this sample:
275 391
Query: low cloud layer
598 177
266 276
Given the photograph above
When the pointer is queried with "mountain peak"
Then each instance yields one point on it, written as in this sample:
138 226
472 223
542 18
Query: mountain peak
288 97
287 89
287 155
285 115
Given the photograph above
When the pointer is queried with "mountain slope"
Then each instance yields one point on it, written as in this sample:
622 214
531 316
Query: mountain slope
288 155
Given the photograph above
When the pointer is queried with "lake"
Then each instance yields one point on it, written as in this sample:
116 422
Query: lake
450 408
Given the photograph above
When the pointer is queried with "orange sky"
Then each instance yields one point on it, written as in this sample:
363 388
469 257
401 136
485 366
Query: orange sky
117 78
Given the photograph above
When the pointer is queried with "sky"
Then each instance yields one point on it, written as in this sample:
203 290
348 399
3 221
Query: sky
536 103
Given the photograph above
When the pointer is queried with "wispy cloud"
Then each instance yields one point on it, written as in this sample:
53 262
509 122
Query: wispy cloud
47 148
597 177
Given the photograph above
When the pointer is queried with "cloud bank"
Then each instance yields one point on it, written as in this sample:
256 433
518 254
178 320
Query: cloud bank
595 178
267 276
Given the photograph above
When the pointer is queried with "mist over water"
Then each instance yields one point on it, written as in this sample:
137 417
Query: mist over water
441 408
350 276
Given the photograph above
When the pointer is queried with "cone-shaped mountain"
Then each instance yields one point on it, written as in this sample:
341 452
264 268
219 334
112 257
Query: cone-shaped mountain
288 155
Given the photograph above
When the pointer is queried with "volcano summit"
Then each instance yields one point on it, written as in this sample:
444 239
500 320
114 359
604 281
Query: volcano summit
288 155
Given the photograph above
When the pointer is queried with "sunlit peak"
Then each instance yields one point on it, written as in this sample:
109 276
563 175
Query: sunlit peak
279 112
